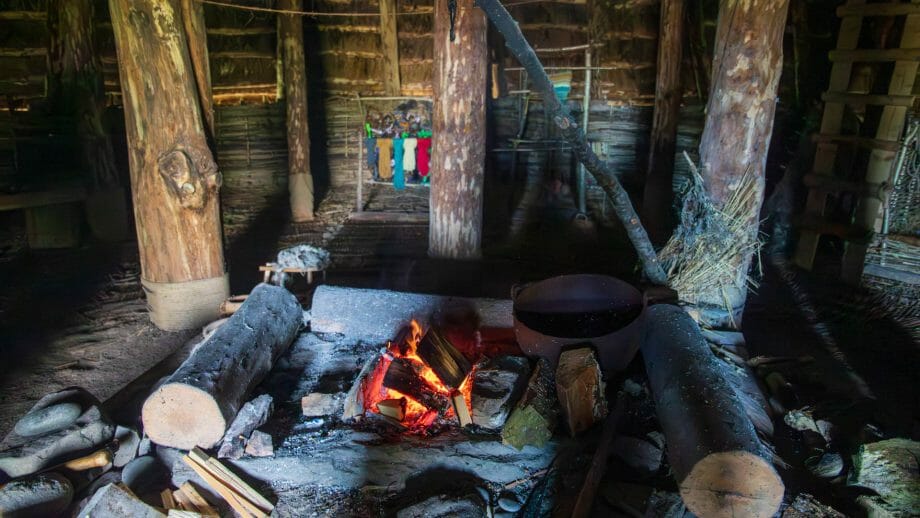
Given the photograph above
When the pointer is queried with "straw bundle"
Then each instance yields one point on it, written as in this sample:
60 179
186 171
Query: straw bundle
710 246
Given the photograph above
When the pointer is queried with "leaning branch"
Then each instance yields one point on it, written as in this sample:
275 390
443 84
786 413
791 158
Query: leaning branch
526 56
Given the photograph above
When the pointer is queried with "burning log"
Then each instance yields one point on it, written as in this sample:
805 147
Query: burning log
195 405
460 409
580 389
404 376
443 358
534 418
721 466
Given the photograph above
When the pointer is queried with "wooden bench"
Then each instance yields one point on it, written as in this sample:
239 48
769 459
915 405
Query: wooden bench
53 216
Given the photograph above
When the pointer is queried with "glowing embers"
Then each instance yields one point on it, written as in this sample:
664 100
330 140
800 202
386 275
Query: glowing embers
419 379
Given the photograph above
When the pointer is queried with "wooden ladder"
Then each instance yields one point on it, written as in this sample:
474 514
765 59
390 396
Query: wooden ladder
872 191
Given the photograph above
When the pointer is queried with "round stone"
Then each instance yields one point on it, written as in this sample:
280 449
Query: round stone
46 494
509 502
49 419
144 474
828 465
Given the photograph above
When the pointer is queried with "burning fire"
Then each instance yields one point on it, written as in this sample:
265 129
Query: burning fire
417 416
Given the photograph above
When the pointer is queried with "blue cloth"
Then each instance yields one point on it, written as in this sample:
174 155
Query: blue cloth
370 147
399 176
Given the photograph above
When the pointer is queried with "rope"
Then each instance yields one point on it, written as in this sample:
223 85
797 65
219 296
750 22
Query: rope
328 14
176 306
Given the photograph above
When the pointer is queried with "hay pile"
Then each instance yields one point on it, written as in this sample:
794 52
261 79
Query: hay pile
706 254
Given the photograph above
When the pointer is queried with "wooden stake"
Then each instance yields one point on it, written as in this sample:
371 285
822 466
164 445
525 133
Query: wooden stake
459 127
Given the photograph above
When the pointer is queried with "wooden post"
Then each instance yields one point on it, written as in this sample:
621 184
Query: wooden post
300 180
390 47
659 193
174 178
739 116
193 20
459 126
75 89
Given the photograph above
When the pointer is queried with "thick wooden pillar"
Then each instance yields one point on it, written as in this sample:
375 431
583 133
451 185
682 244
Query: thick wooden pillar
174 178
459 126
389 45
659 192
193 20
746 68
300 180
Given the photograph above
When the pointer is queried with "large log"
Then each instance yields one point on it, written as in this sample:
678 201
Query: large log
376 316
719 463
659 192
459 126
196 404
174 178
300 179
746 69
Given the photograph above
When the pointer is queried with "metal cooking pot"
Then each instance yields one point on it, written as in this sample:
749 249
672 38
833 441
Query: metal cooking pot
577 309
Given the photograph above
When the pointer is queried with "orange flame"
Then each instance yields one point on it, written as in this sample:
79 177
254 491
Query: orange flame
417 415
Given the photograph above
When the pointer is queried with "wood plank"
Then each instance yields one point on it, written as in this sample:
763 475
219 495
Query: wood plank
863 142
34 16
22 52
902 101
875 55
389 46
26 200
241 31
892 9
243 54
832 184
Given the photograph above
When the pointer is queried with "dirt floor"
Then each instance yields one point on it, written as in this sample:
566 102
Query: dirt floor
77 317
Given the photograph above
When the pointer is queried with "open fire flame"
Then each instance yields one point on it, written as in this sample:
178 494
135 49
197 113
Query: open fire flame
417 417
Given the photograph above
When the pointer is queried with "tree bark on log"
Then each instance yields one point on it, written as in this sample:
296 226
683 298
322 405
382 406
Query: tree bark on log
174 178
719 463
739 116
575 136
193 20
75 84
300 179
659 190
459 127
197 403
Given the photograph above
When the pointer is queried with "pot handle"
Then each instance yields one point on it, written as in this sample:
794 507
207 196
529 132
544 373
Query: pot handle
516 289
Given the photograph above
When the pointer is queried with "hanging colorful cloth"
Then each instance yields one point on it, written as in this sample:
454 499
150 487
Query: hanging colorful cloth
399 177
370 147
423 156
409 155
385 148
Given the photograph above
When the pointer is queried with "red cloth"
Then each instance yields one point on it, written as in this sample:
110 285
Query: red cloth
423 156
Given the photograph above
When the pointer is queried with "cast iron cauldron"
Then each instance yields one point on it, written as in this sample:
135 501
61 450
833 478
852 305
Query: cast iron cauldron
577 309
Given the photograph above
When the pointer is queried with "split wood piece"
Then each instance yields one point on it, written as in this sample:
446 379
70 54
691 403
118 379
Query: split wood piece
232 304
403 376
580 389
393 408
234 491
183 502
181 513
166 496
463 412
201 505
195 405
253 415
443 358
534 418
236 482
719 463
98 459
355 404
575 135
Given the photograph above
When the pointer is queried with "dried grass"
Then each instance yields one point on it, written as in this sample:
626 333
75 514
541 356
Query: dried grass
709 246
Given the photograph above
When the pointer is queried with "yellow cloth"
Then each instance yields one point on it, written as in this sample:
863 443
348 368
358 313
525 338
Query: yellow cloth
384 169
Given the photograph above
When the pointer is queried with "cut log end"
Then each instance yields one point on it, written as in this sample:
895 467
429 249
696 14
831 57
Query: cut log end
183 416
735 483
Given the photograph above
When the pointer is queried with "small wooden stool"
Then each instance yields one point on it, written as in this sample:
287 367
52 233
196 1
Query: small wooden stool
275 276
